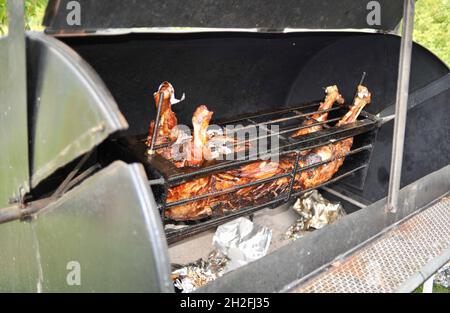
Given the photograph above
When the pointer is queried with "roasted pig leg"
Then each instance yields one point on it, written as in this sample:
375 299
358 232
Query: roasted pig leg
190 150
333 96
336 150
200 121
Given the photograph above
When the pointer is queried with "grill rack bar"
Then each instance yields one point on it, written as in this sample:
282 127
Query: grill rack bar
302 107
285 119
179 234
311 141
292 173
164 174
288 130
298 115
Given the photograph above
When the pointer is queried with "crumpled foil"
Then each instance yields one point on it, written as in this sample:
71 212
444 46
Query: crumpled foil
315 212
242 241
188 278
442 277
236 243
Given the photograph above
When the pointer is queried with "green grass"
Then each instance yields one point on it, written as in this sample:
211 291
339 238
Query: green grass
432 27
436 289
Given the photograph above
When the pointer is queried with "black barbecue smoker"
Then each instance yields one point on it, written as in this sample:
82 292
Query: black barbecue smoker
78 192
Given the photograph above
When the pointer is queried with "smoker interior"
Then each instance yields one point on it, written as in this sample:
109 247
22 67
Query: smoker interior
236 73
287 149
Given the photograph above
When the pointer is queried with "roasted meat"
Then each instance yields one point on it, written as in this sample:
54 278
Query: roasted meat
190 150
204 145
200 121
168 120
226 183
339 149
333 96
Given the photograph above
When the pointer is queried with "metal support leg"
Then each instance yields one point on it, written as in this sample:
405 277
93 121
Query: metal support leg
401 105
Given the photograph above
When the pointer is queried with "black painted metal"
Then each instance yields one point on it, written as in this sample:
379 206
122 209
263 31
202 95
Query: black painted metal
15 155
419 96
256 14
70 110
300 258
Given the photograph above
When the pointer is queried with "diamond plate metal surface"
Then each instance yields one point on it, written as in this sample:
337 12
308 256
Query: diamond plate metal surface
387 262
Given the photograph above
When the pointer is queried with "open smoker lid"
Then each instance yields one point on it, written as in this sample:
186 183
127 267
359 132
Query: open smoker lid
65 16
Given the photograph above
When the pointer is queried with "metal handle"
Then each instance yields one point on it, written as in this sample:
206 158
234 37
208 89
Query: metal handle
401 105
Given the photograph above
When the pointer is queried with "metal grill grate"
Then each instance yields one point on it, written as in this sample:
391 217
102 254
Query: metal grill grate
385 264
288 121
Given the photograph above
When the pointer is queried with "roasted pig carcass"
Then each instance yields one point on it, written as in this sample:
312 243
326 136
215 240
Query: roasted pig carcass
333 96
225 198
168 120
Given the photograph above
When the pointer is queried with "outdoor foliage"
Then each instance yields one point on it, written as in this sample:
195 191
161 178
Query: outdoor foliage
34 13
432 27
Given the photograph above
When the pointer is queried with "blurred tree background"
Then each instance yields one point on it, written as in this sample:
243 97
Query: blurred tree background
34 12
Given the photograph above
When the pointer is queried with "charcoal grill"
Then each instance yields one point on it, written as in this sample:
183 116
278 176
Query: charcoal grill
165 174
76 183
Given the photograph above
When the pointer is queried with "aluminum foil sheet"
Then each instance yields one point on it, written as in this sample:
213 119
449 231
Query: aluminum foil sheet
242 241
236 244
442 277
315 212
187 278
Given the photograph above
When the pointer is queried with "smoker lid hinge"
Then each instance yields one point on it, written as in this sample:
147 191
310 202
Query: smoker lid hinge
23 207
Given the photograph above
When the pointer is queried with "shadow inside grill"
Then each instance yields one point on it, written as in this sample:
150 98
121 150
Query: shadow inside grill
165 174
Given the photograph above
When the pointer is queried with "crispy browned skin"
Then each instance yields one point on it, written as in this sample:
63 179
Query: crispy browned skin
200 121
195 147
325 172
259 170
333 96
168 119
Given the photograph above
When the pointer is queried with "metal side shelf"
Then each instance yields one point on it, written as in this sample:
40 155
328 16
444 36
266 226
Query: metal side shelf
396 261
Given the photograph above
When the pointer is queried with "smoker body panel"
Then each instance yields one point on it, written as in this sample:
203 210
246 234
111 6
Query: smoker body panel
109 225
262 14
70 109
14 156
19 269
316 249
242 73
